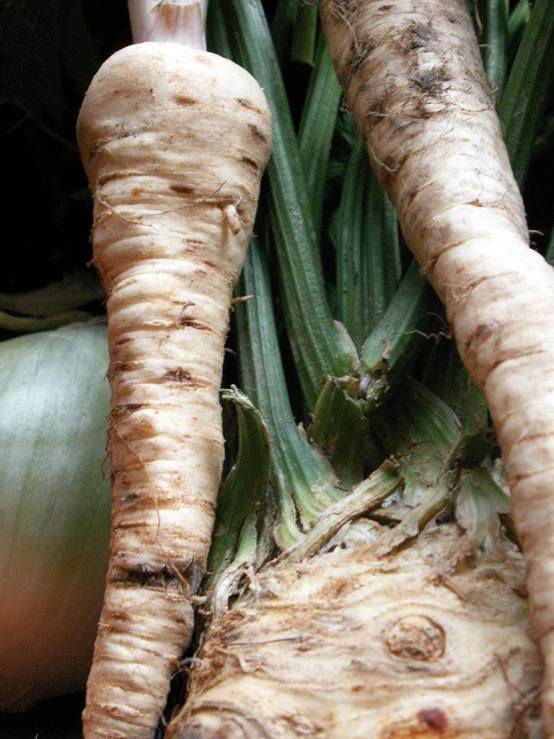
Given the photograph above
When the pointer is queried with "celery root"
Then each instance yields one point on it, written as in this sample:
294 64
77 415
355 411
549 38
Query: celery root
413 78
174 141
348 644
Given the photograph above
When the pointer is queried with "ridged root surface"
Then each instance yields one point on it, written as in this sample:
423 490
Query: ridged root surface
422 643
413 79
174 142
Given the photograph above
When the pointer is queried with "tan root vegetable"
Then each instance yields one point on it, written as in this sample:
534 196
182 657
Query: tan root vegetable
351 645
174 141
412 77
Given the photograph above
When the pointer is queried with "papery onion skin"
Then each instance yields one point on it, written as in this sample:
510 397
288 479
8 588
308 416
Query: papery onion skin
54 510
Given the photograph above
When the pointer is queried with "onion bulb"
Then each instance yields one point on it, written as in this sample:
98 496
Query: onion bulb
54 510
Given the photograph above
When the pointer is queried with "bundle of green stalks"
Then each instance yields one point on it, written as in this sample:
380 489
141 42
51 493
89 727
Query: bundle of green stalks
365 577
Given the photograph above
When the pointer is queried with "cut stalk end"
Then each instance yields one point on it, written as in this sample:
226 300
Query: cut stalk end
178 21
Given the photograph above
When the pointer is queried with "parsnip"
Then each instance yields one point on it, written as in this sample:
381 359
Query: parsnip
174 142
413 79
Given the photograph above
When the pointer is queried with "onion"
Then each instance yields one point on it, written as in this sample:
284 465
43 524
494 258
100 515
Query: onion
54 510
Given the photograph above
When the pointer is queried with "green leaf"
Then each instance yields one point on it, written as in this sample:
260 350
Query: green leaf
528 86
243 492
316 129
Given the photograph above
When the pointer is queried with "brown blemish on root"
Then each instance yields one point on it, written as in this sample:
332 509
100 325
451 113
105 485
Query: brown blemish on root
177 375
184 100
249 105
434 718
420 36
185 575
125 409
181 189
431 83
117 366
256 133
250 163
186 321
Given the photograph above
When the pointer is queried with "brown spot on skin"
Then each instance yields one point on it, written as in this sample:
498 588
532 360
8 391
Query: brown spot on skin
429 723
137 191
184 322
431 82
181 189
128 134
434 718
185 575
256 133
184 100
250 163
177 375
250 106
127 408
420 36
118 367
482 333
416 638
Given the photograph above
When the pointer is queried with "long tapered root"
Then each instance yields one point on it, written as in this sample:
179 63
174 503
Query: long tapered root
174 142
413 78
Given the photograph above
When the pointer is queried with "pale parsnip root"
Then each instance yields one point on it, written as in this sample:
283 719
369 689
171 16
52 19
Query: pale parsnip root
413 79
348 645
174 142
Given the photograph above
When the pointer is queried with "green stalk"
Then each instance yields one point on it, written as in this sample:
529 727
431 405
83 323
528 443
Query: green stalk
302 479
398 337
317 346
528 85
303 42
446 376
316 129
367 247
496 40
339 428
282 29
519 18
